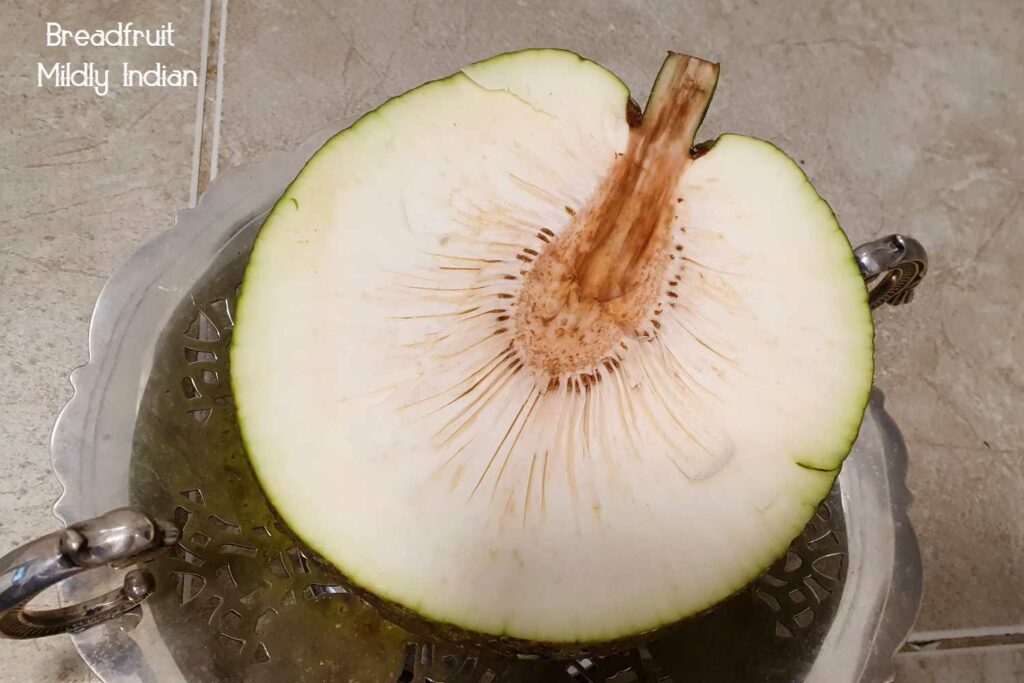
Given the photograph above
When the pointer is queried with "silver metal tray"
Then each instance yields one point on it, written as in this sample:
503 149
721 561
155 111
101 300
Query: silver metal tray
152 424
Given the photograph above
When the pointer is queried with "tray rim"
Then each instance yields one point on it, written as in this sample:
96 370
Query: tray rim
77 437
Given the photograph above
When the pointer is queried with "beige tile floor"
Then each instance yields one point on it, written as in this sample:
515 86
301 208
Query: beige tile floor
907 115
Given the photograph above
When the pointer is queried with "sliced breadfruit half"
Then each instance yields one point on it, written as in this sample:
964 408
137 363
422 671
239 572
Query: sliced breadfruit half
523 361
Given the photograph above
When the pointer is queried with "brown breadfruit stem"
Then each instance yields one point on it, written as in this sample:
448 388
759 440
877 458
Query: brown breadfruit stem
597 284
633 215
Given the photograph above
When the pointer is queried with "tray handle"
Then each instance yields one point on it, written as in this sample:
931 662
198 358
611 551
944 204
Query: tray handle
892 267
119 538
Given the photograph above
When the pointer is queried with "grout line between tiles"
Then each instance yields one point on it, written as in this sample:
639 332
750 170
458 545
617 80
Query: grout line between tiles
219 89
967 649
211 110
956 633
197 148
